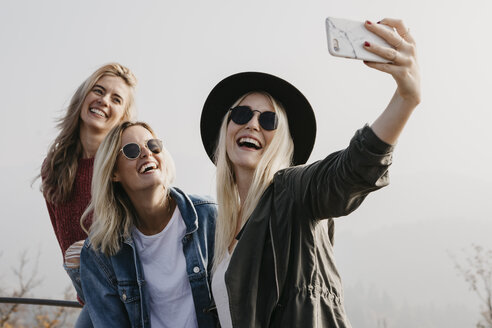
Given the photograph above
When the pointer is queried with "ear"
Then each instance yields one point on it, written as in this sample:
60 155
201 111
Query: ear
115 177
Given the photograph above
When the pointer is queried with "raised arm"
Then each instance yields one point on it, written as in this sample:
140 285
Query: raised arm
404 69
337 185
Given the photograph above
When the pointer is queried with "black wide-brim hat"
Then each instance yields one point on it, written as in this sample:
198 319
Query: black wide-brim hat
302 123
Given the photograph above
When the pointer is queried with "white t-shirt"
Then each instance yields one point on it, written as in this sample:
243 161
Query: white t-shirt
164 265
219 291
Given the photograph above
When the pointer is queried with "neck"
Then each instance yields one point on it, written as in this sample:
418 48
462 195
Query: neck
244 178
90 141
154 209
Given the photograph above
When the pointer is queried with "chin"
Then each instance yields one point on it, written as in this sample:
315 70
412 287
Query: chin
248 165
97 125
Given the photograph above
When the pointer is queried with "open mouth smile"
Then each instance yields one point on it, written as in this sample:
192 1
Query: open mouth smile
249 143
98 112
148 167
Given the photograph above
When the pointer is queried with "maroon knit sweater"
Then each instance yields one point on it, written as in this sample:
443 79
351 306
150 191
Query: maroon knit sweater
65 216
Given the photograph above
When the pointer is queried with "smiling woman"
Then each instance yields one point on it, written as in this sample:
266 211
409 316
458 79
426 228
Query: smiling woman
103 107
148 258
103 100
273 264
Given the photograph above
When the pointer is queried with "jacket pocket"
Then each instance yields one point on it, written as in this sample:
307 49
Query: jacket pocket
129 294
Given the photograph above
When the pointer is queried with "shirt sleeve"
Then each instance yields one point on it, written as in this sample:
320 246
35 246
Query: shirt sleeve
54 220
337 185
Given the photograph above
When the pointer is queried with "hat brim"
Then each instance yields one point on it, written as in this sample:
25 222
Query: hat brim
302 122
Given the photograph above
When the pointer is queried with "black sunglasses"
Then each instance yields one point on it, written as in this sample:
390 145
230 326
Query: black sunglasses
132 150
243 114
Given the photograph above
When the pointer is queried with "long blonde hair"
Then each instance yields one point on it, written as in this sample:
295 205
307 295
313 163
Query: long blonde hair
60 167
113 212
277 156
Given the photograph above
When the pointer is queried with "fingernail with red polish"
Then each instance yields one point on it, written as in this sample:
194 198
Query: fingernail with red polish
368 22
367 44
379 22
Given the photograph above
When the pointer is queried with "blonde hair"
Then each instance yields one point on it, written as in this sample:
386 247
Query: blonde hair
113 212
60 167
276 156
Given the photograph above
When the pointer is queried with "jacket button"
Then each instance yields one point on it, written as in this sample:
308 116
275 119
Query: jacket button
196 269
123 297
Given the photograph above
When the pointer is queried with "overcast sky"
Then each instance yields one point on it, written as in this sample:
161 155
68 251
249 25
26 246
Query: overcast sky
439 199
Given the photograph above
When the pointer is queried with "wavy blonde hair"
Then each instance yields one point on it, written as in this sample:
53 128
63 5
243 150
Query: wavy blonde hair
113 212
60 167
277 156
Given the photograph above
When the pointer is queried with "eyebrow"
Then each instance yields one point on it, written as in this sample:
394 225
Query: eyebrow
99 86
120 97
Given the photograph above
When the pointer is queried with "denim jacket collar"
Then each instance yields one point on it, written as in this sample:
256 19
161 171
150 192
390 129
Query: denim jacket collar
188 211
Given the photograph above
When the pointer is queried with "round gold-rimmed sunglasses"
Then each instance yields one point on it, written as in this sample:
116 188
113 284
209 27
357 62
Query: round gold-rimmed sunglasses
132 150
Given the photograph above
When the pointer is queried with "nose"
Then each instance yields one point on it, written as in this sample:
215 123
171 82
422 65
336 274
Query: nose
104 99
144 151
253 123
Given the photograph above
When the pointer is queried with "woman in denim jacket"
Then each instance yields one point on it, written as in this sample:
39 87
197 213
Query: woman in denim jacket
149 253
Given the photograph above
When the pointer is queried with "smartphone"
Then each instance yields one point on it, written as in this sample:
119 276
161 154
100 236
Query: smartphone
346 39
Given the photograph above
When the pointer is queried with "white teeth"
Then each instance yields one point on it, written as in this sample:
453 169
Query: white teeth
150 166
250 140
97 111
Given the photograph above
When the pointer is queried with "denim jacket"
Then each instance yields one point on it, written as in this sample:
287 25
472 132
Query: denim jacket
113 286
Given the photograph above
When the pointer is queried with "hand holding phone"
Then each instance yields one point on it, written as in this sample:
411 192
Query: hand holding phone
346 39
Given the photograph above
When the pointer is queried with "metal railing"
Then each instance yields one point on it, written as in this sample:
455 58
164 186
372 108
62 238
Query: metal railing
40 301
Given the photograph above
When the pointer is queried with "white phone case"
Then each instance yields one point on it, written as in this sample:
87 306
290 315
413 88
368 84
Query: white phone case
346 39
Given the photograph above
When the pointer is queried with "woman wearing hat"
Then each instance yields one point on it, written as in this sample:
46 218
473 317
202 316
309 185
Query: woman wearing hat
273 262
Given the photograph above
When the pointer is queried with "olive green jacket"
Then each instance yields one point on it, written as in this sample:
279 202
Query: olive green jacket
282 272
